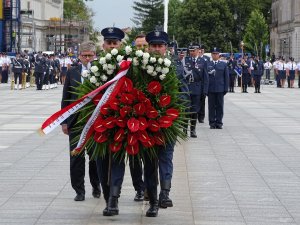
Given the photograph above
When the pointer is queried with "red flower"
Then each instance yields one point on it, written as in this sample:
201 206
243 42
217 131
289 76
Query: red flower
133 124
121 122
154 87
143 136
105 109
153 125
97 98
164 100
99 125
139 109
127 98
132 149
159 138
100 137
172 113
128 85
109 122
149 143
125 110
165 121
151 113
114 104
132 138
115 146
143 123
120 135
140 95
147 102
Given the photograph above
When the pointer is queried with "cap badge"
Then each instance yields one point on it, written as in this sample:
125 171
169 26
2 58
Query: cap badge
110 30
157 33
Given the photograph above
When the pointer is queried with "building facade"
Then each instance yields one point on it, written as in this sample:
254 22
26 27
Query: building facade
285 28
42 27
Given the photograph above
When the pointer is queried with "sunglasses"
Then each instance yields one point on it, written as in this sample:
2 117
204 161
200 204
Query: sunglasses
87 56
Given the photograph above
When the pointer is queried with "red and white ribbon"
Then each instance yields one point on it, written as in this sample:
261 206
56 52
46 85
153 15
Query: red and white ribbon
57 118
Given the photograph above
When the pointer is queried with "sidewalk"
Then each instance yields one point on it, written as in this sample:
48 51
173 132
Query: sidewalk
247 173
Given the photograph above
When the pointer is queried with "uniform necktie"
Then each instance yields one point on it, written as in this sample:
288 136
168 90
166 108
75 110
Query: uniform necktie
292 66
194 61
283 66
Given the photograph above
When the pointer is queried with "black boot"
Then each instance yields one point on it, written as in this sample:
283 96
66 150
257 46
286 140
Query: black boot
105 190
164 200
153 209
193 126
112 206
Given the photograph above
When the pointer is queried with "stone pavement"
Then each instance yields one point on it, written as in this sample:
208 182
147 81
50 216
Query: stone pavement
247 173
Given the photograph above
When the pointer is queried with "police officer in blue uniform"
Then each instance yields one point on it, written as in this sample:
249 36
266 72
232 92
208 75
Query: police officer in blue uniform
232 66
257 73
218 87
245 64
195 69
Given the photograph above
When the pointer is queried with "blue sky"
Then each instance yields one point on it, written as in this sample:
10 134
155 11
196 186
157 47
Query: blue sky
110 12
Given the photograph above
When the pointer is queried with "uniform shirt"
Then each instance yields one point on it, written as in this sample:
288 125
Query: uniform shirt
291 66
282 66
298 66
268 66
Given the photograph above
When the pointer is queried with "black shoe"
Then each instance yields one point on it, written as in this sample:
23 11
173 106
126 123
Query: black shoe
105 212
153 210
193 134
219 127
258 92
96 193
212 127
139 196
200 120
79 197
112 208
164 200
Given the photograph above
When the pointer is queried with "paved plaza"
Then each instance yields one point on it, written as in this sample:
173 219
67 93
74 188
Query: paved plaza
247 173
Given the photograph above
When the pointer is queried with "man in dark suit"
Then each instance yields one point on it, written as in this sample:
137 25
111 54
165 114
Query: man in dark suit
77 163
218 87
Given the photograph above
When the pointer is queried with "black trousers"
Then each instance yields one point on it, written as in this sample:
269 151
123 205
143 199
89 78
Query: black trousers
215 108
268 74
150 173
4 76
257 80
77 169
39 78
136 172
16 76
201 112
232 78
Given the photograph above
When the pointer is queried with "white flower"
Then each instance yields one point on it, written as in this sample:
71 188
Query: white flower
129 59
158 69
102 60
97 84
167 62
139 53
143 67
160 60
150 69
128 50
145 61
93 80
97 74
146 55
85 73
120 58
152 59
104 66
108 56
162 76
165 70
110 66
154 73
103 78
114 51
94 69
135 61
110 72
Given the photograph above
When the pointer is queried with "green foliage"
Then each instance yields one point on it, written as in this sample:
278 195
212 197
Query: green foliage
173 22
206 21
256 35
148 14
77 10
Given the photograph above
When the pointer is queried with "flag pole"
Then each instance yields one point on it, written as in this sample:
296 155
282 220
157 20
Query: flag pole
166 12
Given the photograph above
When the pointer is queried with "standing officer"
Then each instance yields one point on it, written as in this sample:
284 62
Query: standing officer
245 64
268 67
18 70
257 73
218 87
292 66
232 64
39 70
195 69
77 163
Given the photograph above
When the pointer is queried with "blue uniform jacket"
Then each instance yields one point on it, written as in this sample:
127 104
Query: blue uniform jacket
196 75
218 77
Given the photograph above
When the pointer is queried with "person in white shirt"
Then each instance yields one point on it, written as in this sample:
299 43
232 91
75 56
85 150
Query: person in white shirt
298 72
281 72
268 66
291 72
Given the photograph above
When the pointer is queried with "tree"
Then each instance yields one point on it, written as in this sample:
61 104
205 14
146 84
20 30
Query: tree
209 22
174 8
77 10
148 14
257 32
